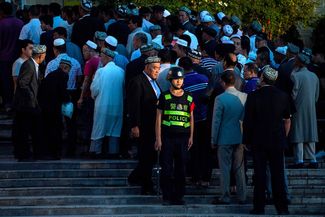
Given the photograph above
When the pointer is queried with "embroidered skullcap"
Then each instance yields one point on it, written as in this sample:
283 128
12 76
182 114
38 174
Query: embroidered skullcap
100 35
108 52
65 61
292 48
255 25
195 54
185 9
39 49
153 59
305 56
146 48
270 73
235 20
154 28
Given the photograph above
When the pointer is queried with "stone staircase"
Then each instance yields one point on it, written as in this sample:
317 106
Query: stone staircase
72 187
100 188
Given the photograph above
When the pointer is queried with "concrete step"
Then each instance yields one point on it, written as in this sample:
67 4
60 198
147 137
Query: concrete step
131 200
6 165
184 214
298 190
75 173
116 181
113 210
54 182
66 173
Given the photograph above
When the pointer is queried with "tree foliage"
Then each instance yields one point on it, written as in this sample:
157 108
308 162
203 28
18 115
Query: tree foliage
276 16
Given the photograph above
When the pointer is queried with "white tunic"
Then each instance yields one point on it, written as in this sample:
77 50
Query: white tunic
107 89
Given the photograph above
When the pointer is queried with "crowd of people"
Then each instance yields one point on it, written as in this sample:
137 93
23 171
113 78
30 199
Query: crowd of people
182 84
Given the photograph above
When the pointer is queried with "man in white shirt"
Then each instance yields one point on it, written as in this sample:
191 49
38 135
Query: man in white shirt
32 30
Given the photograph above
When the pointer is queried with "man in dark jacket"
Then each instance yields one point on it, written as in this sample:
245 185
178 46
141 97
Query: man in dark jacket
85 28
265 127
27 117
143 95
53 93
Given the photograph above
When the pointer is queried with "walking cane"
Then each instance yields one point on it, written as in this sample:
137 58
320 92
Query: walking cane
157 170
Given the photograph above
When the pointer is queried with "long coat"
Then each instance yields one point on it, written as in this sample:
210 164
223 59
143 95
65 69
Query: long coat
107 89
25 98
305 95
227 112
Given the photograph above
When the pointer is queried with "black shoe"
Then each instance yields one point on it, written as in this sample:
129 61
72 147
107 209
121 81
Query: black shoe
313 165
297 166
283 212
257 212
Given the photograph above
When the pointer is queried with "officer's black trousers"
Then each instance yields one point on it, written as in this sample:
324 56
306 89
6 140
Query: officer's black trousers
173 165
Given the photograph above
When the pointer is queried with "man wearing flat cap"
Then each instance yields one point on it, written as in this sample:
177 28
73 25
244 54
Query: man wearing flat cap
305 94
142 98
27 118
265 128
52 94
184 19
108 112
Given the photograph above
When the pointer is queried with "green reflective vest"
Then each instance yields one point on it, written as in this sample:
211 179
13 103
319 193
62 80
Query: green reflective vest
176 115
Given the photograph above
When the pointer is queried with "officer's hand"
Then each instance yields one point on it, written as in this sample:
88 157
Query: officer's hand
158 145
190 143
135 132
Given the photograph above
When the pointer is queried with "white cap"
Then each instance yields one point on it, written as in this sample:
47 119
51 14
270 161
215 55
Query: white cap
91 44
182 42
203 13
227 29
282 50
111 41
207 18
58 42
220 15
166 13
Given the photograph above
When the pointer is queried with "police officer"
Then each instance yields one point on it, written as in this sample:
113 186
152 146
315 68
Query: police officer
174 136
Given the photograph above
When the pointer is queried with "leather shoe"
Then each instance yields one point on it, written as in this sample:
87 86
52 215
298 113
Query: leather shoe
257 212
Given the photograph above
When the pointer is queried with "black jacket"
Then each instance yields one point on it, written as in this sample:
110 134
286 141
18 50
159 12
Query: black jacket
265 110
142 105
